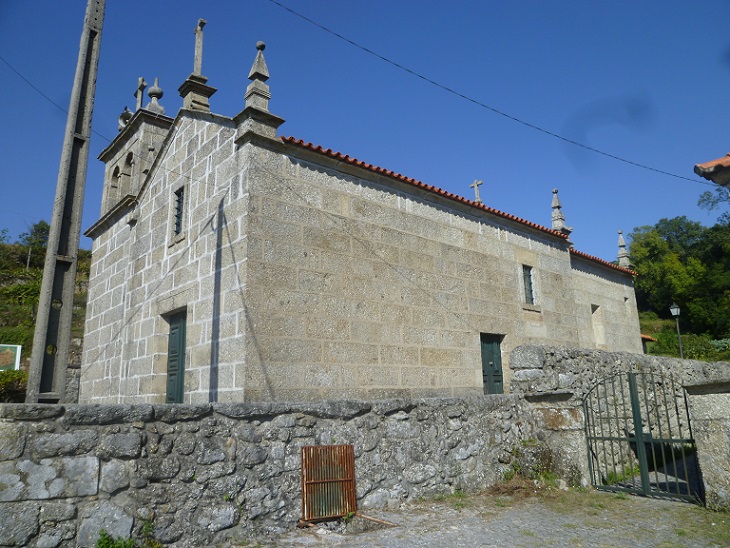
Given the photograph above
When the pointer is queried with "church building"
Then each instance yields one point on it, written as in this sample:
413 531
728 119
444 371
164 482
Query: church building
233 264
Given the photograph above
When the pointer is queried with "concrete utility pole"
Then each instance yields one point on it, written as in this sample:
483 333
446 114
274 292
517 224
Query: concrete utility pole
47 376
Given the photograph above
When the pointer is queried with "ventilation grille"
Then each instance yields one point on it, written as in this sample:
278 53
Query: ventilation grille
328 482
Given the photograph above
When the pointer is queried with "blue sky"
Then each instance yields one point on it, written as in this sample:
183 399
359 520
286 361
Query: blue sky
645 81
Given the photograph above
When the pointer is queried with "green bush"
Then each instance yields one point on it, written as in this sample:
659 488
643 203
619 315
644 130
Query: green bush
12 386
107 541
17 334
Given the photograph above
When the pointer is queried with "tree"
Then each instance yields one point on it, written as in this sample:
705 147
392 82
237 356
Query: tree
680 260
717 198
35 239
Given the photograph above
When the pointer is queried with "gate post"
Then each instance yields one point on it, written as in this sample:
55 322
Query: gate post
639 433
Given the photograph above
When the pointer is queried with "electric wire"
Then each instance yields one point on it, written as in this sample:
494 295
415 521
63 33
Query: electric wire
481 104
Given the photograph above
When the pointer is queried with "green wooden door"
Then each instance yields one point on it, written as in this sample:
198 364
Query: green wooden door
492 364
176 358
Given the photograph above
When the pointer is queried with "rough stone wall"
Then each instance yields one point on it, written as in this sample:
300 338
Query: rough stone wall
208 474
554 380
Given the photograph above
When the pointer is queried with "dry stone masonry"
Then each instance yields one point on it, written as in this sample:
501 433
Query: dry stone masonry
219 472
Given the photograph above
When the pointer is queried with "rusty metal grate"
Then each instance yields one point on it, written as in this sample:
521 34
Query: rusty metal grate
328 481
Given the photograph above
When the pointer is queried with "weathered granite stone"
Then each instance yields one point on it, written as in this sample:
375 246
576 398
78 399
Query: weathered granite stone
120 446
418 473
103 515
30 412
50 478
527 357
18 523
218 517
107 414
156 469
114 476
12 440
185 444
175 413
527 375
57 511
209 451
250 455
78 442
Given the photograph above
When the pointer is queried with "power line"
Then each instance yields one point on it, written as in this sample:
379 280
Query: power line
479 103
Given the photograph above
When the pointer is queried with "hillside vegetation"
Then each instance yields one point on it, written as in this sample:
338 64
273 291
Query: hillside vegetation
681 261
21 273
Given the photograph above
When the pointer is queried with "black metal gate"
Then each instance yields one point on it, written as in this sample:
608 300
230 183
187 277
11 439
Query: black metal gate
640 439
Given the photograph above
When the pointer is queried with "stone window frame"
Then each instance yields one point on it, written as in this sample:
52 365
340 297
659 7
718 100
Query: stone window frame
530 293
178 214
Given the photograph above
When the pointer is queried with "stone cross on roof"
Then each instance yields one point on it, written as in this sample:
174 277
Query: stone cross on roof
194 90
198 61
141 85
477 183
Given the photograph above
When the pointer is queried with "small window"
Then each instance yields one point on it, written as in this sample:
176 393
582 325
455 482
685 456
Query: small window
179 210
528 285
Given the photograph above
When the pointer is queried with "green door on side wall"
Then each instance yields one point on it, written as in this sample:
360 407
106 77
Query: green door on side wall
176 358
491 363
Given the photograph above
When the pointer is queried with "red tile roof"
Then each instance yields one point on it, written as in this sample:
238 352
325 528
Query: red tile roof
708 168
398 177
436 190
647 338
601 261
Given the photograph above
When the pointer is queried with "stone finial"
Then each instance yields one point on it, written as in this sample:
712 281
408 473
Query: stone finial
257 92
124 118
155 93
194 90
141 85
558 217
623 254
477 183
255 119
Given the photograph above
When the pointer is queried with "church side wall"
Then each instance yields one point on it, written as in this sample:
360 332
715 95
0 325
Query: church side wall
357 289
608 318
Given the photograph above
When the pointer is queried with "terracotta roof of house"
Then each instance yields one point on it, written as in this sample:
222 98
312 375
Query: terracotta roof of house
436 190
647 338
708 168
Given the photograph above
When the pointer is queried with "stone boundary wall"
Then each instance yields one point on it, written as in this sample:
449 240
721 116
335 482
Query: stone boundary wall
216 473
555 380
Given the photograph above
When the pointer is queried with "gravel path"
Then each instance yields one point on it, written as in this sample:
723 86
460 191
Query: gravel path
569 519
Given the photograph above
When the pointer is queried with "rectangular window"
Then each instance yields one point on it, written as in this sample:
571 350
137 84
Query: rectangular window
176 358
528 285
179 210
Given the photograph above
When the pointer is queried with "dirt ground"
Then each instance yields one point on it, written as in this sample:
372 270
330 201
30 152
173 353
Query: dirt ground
520 518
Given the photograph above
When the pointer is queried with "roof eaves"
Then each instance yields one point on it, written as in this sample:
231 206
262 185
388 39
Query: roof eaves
707 169
431 188
602 262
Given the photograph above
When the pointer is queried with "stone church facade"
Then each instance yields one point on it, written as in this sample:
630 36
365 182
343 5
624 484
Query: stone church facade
231 264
